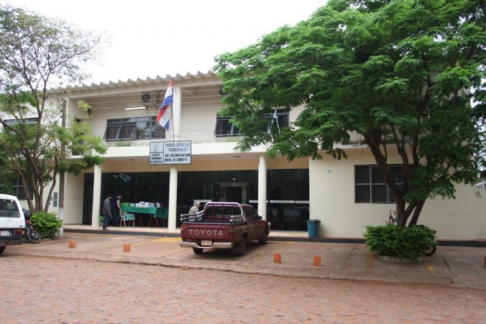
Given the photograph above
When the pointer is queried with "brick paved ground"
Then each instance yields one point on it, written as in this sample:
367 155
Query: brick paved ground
49 290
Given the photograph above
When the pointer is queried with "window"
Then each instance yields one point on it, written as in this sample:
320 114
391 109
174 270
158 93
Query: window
251 212
15 189
276 121
131 129
224 128
370 186
8 208
55 199
27 121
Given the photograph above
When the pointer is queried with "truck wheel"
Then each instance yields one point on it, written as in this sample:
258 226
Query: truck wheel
240 249
197 251
2 249
264 239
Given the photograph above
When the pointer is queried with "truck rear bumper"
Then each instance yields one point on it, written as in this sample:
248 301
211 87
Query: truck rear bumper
216 245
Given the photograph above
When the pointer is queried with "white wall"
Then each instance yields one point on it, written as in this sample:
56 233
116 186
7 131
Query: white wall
460 218
200 106
332 201
73 199
104 108
52 209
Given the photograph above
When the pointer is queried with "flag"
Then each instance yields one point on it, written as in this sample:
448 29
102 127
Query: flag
163 117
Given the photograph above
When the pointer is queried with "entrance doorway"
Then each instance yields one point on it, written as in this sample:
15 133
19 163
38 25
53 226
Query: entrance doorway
88 198
234 194
233 191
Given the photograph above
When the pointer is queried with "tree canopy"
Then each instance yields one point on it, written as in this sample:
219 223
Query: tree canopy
402 74
37 54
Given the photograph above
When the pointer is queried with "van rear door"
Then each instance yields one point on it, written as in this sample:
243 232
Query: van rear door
12 221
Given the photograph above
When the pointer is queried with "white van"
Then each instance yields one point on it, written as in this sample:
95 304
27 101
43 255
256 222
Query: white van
12 221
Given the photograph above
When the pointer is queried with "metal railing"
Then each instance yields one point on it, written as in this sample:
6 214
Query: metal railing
192 217
199 216
481 185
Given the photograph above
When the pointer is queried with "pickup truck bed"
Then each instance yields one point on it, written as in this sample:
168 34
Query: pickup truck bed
223 225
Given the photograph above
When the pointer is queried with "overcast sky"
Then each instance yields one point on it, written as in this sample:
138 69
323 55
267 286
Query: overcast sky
158 37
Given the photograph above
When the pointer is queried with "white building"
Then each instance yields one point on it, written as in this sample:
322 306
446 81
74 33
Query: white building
286 193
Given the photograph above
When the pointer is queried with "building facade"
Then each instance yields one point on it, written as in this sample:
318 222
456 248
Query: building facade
345 195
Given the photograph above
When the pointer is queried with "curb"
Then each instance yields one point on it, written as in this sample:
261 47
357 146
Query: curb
303 273
469 243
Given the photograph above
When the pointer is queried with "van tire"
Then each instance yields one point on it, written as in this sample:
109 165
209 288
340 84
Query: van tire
2 249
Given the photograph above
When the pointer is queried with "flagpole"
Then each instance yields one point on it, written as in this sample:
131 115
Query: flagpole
172 119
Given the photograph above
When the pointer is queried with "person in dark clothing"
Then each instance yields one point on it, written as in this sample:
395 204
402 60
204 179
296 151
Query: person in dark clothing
107 212
116 210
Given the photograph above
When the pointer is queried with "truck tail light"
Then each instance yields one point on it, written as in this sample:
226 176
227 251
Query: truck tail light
183 228
231 230
19 231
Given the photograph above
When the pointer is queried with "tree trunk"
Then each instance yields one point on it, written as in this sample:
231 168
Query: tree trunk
416 213
401 214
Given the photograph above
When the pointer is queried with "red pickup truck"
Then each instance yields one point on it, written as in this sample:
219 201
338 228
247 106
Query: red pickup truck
223 225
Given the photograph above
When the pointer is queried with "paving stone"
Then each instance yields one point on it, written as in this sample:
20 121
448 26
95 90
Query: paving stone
87 291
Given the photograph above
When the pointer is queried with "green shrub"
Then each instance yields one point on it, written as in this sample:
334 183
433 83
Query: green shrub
402 242
46 223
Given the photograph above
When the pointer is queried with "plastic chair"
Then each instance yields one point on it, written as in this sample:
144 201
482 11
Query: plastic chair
124 218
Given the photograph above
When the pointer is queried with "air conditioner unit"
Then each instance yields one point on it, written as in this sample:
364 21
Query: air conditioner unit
145 98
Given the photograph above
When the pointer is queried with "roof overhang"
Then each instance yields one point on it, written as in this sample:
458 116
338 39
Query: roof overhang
130 86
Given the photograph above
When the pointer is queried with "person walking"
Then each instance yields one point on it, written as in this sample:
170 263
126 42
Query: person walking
107 211
116 209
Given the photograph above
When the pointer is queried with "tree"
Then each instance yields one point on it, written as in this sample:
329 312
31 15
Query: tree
36 54
402 74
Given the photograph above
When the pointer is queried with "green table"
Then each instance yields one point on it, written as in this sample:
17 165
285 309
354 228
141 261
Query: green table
156 212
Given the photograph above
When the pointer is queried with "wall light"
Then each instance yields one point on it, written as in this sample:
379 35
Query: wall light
135 108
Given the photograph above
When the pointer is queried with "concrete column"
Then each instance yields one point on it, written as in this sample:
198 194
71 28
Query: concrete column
176 106
172 224
262 187
95 212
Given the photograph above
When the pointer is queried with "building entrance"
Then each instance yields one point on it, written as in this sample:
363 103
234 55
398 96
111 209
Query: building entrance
234 194
233 191
287 193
